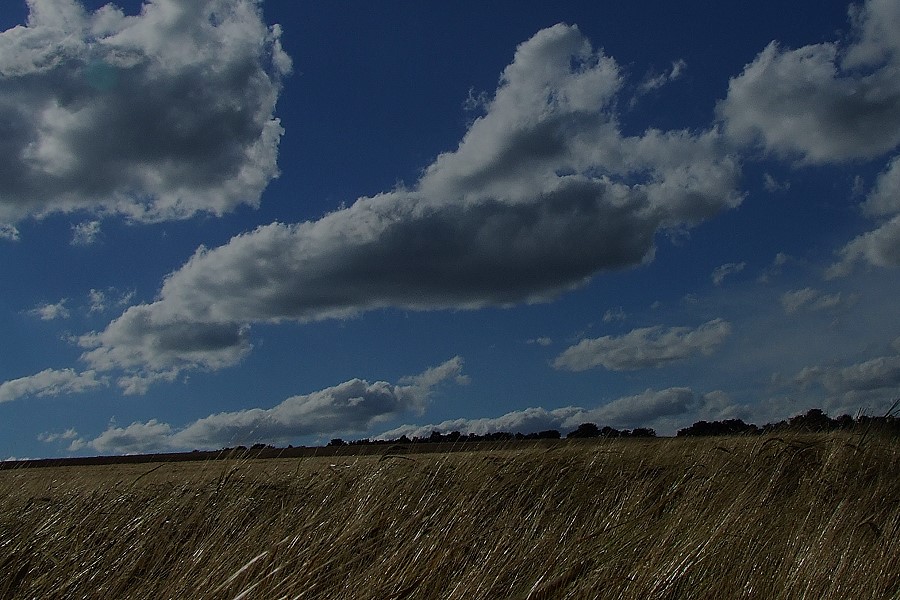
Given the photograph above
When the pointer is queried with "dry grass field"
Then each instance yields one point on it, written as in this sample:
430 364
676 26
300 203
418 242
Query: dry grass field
814 516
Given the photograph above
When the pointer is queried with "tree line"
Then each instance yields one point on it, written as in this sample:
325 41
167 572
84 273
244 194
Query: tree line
813 421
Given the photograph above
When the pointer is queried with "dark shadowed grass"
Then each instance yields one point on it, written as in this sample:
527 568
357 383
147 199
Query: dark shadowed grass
761 517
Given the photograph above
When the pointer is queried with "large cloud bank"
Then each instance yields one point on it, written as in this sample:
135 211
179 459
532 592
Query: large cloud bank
153 116
542 193
866 384
353 406
666 409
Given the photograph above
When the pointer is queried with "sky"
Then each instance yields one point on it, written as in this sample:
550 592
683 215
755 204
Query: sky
228 222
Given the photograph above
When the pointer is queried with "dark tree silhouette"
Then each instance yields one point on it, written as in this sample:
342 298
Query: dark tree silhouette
643 432
585 430
726 427
814 420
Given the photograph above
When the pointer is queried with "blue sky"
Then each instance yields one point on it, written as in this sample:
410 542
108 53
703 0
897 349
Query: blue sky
232 222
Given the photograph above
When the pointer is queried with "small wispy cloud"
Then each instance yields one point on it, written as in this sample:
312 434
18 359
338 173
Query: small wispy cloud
654 81
614 314
812 299
9 233
774 270
772 185
101 300
97 300
68 434
722 271
86 233
50 312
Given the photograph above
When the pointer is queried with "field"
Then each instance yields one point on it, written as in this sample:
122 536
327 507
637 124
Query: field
815 516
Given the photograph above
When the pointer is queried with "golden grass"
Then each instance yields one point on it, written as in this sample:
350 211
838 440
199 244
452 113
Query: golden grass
801 517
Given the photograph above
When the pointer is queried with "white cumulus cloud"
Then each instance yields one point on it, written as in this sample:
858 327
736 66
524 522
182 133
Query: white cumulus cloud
827 102
153 116
881 246
50 382
644 347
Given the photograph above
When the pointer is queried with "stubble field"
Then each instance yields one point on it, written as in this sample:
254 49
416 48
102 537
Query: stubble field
814 516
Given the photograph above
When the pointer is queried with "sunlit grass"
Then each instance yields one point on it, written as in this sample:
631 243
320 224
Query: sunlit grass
757 517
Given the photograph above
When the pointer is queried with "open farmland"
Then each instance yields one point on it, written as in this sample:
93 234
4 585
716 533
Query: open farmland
814 516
